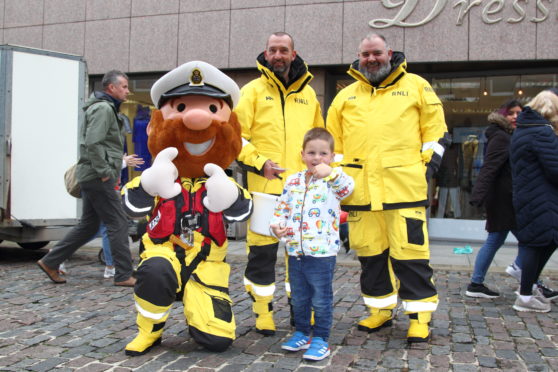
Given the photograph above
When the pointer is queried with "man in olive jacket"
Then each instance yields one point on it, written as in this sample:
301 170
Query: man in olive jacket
101 145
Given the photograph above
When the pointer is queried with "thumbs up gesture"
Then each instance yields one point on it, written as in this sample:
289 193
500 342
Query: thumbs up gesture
221 191
158 180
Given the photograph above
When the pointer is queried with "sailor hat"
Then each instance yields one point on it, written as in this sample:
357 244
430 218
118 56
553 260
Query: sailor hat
195 77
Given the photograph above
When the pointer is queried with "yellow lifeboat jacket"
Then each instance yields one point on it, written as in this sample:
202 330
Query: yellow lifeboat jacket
274 117
392 137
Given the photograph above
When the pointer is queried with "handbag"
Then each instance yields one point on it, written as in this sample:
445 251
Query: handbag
70 180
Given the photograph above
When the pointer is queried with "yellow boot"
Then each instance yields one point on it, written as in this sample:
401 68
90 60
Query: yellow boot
149 335
264 318
418 327
378 319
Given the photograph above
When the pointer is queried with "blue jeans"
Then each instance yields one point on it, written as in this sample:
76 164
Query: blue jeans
311 280
486 254
106 245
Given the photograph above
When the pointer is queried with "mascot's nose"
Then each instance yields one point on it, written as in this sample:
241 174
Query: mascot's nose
197 119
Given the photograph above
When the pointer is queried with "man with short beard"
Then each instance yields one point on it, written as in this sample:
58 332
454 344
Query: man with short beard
389 125
275 111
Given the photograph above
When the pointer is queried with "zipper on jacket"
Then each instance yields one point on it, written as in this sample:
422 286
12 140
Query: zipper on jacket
306 184
283 112
283 100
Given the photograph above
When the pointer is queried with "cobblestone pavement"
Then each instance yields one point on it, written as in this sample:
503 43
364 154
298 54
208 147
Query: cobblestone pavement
85 324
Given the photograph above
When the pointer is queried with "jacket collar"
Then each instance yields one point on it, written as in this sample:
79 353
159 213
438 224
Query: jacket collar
107 97
299 75
530 117
500 121
398 70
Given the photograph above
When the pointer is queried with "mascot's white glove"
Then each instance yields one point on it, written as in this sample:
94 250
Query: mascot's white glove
221 191
158 180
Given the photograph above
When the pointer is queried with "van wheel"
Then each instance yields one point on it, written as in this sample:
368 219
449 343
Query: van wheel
33 245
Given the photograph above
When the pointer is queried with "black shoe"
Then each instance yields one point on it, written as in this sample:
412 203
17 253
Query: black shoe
480 291
547 292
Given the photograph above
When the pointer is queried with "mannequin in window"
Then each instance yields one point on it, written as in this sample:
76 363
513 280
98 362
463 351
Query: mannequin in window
448 182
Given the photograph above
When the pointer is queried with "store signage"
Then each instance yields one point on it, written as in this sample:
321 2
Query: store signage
491 11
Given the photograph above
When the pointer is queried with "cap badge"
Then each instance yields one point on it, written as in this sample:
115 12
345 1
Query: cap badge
196 78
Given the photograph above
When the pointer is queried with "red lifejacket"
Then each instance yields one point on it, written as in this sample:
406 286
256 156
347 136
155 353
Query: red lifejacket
168 215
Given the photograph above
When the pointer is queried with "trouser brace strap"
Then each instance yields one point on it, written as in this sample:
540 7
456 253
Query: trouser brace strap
187 270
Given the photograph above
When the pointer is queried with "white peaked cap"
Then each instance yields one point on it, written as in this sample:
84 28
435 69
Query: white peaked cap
195 77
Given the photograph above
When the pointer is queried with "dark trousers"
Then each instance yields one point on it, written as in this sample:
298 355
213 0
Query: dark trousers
533 260
101 202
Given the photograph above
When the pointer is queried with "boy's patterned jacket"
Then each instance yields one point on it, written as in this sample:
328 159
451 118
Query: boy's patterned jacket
311 212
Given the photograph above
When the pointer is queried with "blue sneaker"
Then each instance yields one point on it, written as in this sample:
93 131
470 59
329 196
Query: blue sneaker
298 341
319 349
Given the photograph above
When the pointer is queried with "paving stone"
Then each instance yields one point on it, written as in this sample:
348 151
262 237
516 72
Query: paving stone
530 357
47 365
506 354
462 347
487 362
538 367
461 338
181 364
464 367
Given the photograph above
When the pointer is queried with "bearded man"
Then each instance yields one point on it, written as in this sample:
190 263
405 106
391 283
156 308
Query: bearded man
275 111
389 125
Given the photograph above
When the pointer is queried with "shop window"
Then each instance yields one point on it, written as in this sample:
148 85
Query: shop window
467 104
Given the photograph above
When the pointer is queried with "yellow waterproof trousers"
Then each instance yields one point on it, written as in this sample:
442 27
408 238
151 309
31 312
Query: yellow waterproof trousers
392 247
207 305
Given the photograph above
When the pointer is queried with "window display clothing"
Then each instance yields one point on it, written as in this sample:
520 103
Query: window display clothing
139 136
447 179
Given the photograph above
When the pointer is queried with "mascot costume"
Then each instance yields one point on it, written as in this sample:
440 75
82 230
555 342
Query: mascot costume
193 135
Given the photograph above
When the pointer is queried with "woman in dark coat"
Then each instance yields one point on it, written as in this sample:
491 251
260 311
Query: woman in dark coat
493 189
534 164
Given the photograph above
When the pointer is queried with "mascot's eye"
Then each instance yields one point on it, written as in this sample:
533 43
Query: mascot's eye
181 107
213 108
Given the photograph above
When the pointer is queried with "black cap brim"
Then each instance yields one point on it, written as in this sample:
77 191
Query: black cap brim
202 90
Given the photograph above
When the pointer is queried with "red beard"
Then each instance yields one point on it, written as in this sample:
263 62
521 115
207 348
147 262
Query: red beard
227 143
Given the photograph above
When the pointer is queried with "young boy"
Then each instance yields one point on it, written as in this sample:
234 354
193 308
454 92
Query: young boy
307 218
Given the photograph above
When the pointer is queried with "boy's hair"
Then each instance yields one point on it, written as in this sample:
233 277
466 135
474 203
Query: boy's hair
318 133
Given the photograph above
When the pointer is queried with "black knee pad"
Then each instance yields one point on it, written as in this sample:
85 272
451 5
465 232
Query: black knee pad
208 341
156 281
375 279
415 279
261 264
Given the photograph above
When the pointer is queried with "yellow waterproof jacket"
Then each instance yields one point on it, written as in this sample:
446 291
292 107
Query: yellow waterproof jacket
274 119
388 135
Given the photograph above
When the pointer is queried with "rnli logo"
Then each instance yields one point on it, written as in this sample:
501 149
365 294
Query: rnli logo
402 93
302 101
268 98
196 78
429 89
351 98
